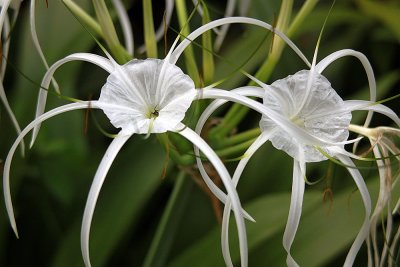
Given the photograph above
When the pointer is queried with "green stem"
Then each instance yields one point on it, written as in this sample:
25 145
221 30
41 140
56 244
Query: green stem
149 35
208 59
169 224
109 33
190 60
171 144
238 138
236 150
305 10
84 17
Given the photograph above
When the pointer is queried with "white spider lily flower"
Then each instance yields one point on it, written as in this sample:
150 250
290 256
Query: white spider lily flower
383 148
5 30
303 116
140 97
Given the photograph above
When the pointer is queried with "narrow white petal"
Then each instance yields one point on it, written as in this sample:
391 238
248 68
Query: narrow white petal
11 114
296 203
6 45
159 34
372 106
247 91
36 40
95 188
236 176
393 247
216 23
126 26
169 8
42 97
7 164
3 13
229 186
367 67
362 187
230 7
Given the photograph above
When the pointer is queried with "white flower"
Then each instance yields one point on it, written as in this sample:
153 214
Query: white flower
158 95
140 97
303 116
286 96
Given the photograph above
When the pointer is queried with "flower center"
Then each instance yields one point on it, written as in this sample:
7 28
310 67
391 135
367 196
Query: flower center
299 121
153 114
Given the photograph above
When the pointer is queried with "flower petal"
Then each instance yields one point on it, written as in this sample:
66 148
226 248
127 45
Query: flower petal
125 25
14 121
41 103
95 188
262 139
229 186
159 34
247 91
216 23
296 203
230 7
363 234
372 106
32 19
7 164
320 67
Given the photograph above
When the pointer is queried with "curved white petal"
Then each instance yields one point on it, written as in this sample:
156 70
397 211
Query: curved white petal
296 203
229 186
216 23
35 39
3 13
362 235
262 139
42 97
372 106
158 93
25 131
7 164
159 34
320 67
247 91
95 188
126 26
230 7
11 114
6 45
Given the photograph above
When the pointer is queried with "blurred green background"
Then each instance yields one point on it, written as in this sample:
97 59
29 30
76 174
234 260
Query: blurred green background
145 219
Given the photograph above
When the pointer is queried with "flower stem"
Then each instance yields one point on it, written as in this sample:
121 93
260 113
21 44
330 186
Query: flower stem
188 53
108 29
149 35
90 22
